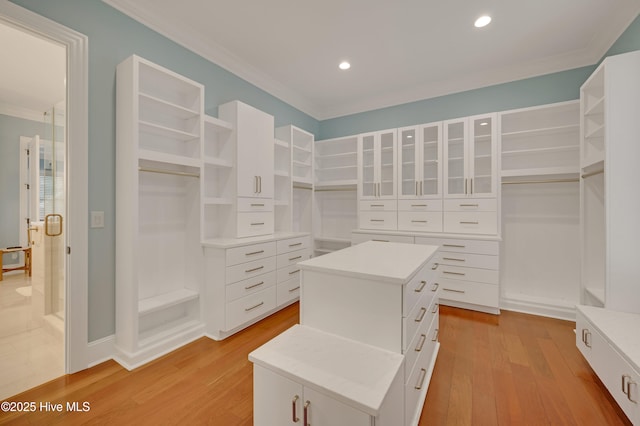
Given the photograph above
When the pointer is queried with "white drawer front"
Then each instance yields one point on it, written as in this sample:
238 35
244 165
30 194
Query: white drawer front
420 221
247 308
252 285
251 224
423 341
358 237
471 205
291 258
379 205
423 284
462 246
288 291
378 220
255 204
418 381
250 269
488 276
471 223
292 244
469 260
469 292
418 316
288 272
243 254
420 205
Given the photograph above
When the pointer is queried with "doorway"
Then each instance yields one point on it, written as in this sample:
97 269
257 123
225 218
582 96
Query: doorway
75 228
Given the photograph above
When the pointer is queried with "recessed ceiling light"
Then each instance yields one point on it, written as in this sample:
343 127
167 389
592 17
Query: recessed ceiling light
344 65
482 21
484 123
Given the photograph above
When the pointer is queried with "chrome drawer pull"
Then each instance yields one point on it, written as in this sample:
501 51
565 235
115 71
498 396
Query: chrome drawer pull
587 339
257 223
453 245
295 244
469 223
254 269
376 205
294 272
381 241
254 252
423 375
454 273
294 258
469 205
376 220
291 290
435 266
453 258
454 291
435 308
419 221
254 286
435 336
420 287
294 418
423 311
435 287
423 338
257 205
253 307
629 383
419 205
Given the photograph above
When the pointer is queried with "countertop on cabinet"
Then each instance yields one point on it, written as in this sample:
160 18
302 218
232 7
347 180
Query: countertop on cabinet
388 261
238 242
619 328
441 235
354 372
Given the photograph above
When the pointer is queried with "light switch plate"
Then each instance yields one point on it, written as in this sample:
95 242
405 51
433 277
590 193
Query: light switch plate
97 219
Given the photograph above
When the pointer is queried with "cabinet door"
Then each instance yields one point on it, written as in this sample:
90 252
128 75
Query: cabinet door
322 410
255 154
408 162
277 401
455 164
430 181
482 156
387 164
367 174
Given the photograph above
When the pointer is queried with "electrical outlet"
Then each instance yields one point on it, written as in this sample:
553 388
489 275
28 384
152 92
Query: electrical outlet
97 219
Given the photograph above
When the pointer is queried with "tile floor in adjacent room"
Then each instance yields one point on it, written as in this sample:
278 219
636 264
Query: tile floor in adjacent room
31 352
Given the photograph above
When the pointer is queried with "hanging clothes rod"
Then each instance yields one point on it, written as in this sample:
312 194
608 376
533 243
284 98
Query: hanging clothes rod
302 187
521 182
169 172
586 175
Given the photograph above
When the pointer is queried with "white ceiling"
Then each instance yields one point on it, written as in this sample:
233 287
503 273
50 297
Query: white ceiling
400 51
32 74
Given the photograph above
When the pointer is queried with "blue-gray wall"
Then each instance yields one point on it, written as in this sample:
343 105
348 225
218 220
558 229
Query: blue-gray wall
113 37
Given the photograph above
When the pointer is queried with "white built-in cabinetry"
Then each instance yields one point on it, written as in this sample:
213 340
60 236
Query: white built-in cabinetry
381 294
158 254
308 377
610 107
335 193
420 178
252 136
282 186
540 150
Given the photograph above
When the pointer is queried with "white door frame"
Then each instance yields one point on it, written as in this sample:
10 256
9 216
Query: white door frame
76 226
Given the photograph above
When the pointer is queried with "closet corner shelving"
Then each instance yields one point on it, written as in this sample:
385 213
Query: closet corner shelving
335 193
294 212
159 164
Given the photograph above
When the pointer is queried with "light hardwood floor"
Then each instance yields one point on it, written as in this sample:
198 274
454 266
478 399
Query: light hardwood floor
512 369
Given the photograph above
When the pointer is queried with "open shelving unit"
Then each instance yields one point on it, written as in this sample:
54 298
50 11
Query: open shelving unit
158 184
283 188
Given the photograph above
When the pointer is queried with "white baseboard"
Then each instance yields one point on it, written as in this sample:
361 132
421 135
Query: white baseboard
100 350
552 308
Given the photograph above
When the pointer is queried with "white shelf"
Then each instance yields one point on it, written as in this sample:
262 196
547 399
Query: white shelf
217 201
218 162
543 131
163 157
157 105
336 183
598 132
596 109
570 172
281 144
281 173
542 150
158 130
217 124
336 156
163 301
302 163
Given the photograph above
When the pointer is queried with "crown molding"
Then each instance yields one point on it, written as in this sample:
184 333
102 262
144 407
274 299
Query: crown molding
20 112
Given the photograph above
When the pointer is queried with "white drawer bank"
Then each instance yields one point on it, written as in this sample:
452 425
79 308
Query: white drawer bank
307 377
469 272
610 342
382 294
247 279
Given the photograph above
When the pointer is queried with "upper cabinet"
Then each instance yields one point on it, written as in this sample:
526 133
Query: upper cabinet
377 171
419 161
470 157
